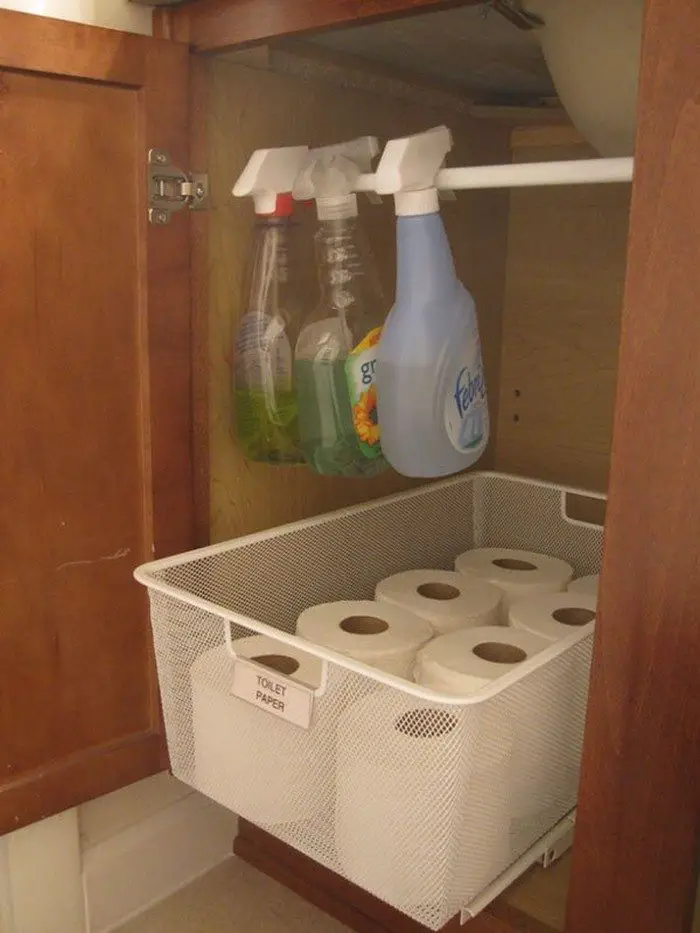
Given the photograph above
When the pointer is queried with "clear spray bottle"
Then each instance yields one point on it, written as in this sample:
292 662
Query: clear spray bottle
334 360
266 420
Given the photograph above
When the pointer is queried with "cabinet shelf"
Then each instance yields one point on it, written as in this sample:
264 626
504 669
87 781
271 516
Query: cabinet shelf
541 894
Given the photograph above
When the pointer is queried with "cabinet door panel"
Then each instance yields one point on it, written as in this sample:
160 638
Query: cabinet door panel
96 461
638 828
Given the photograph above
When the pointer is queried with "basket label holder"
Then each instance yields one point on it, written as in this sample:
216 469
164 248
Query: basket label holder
272 691
276 694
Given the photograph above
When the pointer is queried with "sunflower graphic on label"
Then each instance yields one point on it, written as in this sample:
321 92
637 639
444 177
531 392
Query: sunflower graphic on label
360 373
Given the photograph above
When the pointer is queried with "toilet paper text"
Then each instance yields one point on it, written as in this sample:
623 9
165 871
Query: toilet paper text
270 693
276 695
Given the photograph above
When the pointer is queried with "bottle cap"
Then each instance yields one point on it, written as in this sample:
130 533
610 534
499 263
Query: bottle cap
269 175
284 206
329 174
408 169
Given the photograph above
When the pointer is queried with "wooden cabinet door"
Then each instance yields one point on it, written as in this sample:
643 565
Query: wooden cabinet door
95 404
638 827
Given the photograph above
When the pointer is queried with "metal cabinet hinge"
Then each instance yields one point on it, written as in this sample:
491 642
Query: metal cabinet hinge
170 189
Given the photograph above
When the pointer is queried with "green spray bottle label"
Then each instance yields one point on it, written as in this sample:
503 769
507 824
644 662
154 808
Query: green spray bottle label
360 371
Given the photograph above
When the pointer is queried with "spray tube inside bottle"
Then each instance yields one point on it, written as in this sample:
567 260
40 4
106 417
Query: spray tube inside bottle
335 355
266 421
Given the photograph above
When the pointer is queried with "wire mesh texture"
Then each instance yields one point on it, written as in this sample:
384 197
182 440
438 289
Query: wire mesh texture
420 799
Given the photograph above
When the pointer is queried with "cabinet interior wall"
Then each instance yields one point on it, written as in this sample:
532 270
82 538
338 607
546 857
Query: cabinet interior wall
546 267
565 275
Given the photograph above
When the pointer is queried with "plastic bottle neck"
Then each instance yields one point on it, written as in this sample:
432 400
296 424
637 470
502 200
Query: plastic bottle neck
424 264
264 221
340 207
410 203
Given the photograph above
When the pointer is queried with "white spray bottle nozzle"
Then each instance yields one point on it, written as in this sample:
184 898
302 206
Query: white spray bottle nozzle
408 168
329 174
270 172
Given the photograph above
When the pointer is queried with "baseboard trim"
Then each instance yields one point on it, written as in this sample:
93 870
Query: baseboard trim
146 862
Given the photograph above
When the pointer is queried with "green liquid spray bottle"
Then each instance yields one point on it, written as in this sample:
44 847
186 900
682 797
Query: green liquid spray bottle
266 422
335 355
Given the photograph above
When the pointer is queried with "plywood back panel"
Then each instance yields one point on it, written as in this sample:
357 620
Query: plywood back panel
564 281
250 109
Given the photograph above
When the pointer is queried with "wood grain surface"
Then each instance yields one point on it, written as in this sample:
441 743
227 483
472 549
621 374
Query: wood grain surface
209 25
199 266
561 321
95 405
250 109
638 826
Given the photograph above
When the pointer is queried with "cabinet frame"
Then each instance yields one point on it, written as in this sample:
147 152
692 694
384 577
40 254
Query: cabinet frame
215 25
638 828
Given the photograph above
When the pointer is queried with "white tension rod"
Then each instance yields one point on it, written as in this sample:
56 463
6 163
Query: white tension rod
526 174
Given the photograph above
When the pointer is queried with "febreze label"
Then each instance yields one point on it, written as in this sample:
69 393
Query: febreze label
466 408
360 373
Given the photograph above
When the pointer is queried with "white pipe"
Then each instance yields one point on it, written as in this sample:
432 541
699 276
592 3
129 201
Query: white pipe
366 183
523 174
526 174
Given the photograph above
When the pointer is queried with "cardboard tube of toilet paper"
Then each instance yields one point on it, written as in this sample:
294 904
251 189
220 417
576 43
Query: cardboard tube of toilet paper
464 662
447 600
304 668
587 585
378 634
422 818
261 767
517 573
553 615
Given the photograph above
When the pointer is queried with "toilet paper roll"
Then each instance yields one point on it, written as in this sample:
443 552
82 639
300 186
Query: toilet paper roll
447 600
551 738
547 734
517 573
587 585
553 615
378 634
417 823
464 662
261 767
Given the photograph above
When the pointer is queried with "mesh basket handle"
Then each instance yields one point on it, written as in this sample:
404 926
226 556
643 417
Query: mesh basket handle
280 675
580 508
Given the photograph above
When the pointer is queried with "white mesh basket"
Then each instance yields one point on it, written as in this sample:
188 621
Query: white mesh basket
422 800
